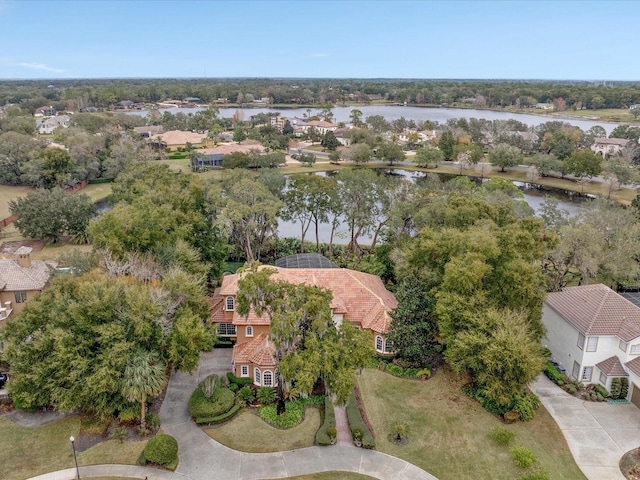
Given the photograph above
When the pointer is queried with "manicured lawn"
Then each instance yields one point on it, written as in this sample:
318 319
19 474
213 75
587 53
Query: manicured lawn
27 452
97 191
449 433
332 476
249 433
605 114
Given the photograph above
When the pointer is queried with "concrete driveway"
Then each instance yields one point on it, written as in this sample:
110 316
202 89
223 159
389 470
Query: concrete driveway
598 434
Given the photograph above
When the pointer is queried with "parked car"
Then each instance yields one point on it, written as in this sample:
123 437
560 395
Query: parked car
3 379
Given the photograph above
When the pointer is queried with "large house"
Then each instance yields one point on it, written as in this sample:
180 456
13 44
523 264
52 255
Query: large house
50 125
46 111
321 126
20 280
358 297
175 139
207 158
594 334
608 147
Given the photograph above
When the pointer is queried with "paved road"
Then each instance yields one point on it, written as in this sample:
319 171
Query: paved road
598 434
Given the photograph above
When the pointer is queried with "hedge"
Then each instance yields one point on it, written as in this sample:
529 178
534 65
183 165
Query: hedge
220 418
200 406
554 374
322 435
357 423
238 380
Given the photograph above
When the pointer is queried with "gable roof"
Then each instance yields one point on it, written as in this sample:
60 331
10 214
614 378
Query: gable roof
179 137
14 277
611 141
634 365
257 350
612 367
597 310
232 148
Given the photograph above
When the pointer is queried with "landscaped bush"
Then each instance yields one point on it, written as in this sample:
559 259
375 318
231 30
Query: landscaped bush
554 374
221 402
616 388
152 421
266 395
290 418
571 388
220 418
601 390
502 436
129 415
210 384
239 380
161 450
322 435
523 457
624 388
246 394
356 423
526 405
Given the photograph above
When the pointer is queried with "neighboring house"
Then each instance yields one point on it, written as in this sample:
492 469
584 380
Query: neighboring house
89 110
124 104
342 135
609 146
415 136
194 100
207 158
149 130
320 125
48 126
358 297
174 139
544 106
46 111
20 280
594 334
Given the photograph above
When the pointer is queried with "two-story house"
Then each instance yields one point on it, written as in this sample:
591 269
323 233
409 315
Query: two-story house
594 334
608 147
358 297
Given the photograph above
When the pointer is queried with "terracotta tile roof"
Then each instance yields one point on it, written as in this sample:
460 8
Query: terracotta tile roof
361 297
179 137
611 141
232 148
597 310
217 308
14 277
321 124
258 351
612 367
634 365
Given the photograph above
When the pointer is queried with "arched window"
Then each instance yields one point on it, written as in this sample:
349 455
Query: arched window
256 376
249 331
379 344
267 379
231 303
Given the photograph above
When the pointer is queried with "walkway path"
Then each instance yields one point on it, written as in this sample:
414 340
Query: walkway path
598 434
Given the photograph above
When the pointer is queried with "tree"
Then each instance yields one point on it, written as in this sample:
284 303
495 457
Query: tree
287 128
390 153
143 377
427 156
356 117
583 164
52 168
413 330
463 160
239 134
504 156
329 141
16 151
358 201
378 123
446 144
358 153
307 159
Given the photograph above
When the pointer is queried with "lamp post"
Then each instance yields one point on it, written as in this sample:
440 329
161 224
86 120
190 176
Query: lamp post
75 458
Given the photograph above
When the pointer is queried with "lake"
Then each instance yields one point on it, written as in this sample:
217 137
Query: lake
393 112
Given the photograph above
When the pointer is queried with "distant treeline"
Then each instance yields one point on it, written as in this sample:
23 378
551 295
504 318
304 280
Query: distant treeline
102 93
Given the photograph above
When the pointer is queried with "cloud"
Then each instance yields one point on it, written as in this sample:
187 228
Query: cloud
40 66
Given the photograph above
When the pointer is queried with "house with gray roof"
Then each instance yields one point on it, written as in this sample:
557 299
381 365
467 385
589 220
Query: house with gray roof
594 334
20 279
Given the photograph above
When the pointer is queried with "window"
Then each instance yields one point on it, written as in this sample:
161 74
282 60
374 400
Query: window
388 346
267 379
226 329
249 331
21 296
379 344
231 304
586 374
576 370
635 348
592 344
603 379
581 341
622 345
244 371
256 376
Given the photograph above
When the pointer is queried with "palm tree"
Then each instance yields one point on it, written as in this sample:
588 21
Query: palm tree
144 376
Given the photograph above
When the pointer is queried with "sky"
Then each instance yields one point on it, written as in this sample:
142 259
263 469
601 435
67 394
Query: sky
508 39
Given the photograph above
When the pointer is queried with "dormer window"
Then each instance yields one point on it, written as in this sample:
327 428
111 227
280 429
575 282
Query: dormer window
231 303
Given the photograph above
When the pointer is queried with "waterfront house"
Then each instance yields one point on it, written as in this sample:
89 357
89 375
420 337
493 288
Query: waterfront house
608 147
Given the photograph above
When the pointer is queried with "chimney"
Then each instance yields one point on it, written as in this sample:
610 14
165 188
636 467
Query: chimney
24 259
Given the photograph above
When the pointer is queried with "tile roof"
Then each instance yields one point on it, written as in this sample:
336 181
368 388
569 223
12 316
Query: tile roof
361 297
597 310
611 141
179 137
612 367
233 148
321 124
634 365
258 351
14 277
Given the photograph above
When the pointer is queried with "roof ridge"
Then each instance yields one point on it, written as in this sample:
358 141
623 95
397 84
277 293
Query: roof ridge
596 314
366 287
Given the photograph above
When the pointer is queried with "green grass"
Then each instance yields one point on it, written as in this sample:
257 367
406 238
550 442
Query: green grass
332 476
605 114
27 452
449 433
8 193
97 191
247 432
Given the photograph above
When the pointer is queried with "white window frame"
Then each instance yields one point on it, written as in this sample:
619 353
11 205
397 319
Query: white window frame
603 379
635 349
230 304
584 377
248 331
226 329
268 373
621 347
379 344
581 340
257 377
388 346
575 372
20 296
592 344
244 370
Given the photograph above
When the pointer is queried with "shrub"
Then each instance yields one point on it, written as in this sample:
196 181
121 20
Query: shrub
616 388
220 418
332 432
523 457
571 388
599 397
130 414
266 395
200 406
239 380
424 373
594 397
210 384
502 436
234 387
290 418
511 416
526 405
161 450
624 388
246 394
537 475
356 423
322 435
601 390
553 373
153 421
119 433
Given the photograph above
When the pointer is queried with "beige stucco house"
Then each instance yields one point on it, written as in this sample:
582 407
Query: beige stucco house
608 147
